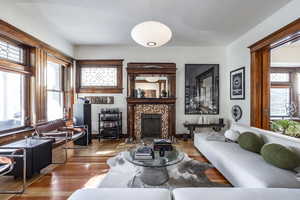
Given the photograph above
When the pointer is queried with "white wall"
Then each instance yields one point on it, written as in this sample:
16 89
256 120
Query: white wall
33 26
238 55
178 55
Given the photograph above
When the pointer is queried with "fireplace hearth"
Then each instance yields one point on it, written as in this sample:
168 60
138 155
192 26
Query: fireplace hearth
151 126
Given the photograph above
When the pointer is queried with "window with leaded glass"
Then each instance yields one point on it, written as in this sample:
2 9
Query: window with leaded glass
11 51
14 85
280 77
98 77
101 76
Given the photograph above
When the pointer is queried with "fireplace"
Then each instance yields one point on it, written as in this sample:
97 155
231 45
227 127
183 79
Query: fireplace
151 126
151 116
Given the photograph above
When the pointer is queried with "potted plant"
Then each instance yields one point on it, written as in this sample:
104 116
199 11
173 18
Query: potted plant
286 127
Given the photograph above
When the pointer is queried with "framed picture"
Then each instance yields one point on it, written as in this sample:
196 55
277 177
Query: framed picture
100 99
237 84
202 89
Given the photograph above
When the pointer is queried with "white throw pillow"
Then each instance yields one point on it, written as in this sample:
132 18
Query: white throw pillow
232 135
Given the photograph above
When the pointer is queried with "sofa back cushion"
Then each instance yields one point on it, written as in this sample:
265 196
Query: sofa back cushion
280 156
270 136
251 142
50 126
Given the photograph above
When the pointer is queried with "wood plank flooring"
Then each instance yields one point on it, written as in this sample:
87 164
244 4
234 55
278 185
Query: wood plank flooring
84 169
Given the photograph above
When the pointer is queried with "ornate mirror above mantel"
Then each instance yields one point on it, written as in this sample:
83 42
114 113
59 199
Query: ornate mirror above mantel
151 91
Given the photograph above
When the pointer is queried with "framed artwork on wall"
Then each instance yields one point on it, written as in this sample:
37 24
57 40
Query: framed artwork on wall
237 84
100 99
202 89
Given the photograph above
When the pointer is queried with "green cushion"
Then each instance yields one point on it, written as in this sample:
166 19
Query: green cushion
280 156
251 142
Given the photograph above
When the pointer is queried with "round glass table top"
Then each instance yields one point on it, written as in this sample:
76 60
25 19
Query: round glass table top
170 158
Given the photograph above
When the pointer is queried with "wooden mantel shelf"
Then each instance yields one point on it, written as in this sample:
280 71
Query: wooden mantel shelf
151 100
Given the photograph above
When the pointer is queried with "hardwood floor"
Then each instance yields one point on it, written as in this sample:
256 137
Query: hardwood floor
84 169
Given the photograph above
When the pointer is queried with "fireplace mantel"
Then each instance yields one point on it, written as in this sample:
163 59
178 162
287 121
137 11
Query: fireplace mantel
162 105
151 100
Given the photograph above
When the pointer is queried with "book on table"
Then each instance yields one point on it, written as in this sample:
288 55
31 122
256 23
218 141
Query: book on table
144 153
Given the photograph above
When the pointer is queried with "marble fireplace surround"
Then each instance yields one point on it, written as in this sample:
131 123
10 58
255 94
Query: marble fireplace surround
161 109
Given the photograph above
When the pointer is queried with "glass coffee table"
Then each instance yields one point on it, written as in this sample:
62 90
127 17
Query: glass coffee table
154 171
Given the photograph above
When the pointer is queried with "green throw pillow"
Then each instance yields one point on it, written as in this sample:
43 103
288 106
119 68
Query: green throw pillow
280 156
250 142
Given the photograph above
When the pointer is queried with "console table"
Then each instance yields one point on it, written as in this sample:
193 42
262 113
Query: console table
192 126
38 156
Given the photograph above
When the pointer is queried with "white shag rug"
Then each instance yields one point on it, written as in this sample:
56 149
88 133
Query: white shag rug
187 173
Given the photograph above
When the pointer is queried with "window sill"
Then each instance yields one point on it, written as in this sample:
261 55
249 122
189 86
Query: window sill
101 90
9 133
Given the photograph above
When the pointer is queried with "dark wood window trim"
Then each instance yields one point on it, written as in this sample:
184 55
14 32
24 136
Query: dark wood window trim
24 69
13 66
260 72
34 70
61 90
16 34
118 64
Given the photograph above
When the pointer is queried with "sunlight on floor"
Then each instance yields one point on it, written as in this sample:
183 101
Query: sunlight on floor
104 152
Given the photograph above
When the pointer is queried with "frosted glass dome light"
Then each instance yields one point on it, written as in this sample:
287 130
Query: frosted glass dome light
151 34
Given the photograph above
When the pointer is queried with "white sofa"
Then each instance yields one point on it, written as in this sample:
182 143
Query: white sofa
246 169
236 194
186 194
121 193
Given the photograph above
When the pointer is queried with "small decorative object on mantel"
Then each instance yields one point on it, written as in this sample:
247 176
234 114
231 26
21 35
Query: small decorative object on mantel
100 99
237 84
164 93
236 112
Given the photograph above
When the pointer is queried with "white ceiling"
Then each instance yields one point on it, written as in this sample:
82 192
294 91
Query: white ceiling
109 22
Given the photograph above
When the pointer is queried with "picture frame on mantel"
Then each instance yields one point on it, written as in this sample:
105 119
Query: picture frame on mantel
237 84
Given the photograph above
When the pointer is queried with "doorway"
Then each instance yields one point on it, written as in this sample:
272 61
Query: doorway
261 70
285 88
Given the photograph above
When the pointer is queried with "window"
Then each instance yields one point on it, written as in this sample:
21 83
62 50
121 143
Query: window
55 105
280 99
11 52
12 101
101 76
98 77
281 92
280 77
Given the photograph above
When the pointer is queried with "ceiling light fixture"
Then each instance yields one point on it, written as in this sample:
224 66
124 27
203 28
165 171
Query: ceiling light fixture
151 34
